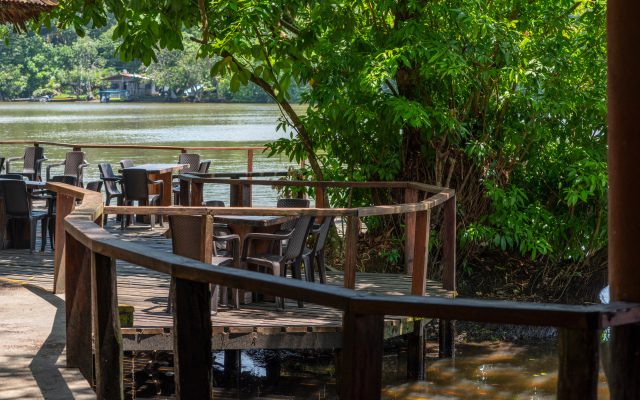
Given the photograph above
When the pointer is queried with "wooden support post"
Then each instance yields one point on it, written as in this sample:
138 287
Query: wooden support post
250 169
415 352
578 373
78 306
421 253
351 253
184 193
192 339
337 362
319 201
196 194
410 196
272 366
623 120
447 328
232 364
106 326
624 381
362 356
64 205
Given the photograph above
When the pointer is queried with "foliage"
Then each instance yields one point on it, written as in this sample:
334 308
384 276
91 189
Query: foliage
503 101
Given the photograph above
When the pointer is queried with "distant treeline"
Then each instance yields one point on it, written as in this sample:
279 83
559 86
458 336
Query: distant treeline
59 62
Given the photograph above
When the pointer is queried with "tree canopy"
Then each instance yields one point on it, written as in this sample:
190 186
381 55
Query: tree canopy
503 101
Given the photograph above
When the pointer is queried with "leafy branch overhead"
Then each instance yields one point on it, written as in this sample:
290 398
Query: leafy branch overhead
503 101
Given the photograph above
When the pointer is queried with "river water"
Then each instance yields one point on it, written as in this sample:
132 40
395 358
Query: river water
492 369
189 125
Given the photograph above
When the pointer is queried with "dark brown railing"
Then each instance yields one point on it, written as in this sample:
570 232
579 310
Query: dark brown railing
89 254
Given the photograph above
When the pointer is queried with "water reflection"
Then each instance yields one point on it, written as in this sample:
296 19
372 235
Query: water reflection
189 125
488 370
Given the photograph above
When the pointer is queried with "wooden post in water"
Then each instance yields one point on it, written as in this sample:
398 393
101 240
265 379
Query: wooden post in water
578 351
416 339
78 306
447 328
623 118
106 326
362 357
64 206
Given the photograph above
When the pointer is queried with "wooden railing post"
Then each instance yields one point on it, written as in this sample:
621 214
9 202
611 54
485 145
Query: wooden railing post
64 206
106 328
192 333
361 370
351 252
184 193
78 306
416 338
249 169
197 194
447 328
625 362
578 350
410 196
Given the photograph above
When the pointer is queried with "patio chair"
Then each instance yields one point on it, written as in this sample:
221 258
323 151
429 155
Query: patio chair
12 176
288 226
110 187
33 158
74 164
136 188
52 197
1 164
204 167
277 263
126 164
186 235
193 160
96 186
218 228
15 205
309 256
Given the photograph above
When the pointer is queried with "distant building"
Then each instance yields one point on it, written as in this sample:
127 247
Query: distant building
144 87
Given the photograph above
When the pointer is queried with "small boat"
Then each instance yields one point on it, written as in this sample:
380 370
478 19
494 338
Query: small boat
62 99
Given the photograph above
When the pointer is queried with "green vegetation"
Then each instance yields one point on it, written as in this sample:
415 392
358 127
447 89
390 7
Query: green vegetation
59 61
503 101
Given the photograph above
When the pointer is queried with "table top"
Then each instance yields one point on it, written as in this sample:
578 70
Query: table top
35 184
159 168
252 220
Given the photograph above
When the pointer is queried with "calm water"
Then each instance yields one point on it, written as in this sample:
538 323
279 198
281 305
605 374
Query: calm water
189 125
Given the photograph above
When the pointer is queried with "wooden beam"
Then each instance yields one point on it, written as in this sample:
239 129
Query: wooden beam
410 196
361 368
106 326
192 339
624 381
64 206
578 351
78 306
447 328
185 195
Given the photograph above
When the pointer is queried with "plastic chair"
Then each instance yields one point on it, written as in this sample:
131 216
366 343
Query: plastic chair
288 226
204 167
278 264
12 176
96 186
74 164
218 228
309 256
52 197
135 184
126 164
110 187
33 158
1 163
15 205
193 160
186 241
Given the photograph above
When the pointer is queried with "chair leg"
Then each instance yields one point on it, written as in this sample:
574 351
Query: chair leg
277 271
45 222
223 296
33 225
52 231
321 269
296 271
4 228
308 268
214 299
170 297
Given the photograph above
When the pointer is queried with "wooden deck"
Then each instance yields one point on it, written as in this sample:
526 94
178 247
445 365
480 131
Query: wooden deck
255 325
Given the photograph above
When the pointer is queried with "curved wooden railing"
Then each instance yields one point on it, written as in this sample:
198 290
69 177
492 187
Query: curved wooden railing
90 253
